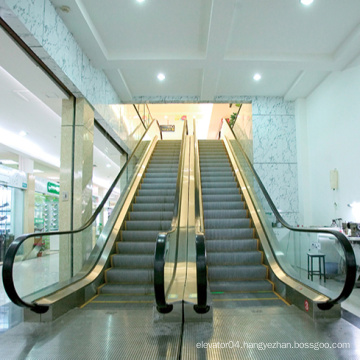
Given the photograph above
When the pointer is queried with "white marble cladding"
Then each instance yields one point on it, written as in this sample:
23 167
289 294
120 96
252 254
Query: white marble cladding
280 182
262 105
274 151
38 24
274 138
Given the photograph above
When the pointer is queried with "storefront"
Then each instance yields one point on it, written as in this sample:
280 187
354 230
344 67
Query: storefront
13 184
46 217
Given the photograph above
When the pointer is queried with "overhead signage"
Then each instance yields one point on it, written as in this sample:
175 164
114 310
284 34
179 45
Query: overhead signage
53 188
168 128
43 186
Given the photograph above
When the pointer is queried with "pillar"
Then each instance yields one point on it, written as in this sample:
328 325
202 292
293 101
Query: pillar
76 166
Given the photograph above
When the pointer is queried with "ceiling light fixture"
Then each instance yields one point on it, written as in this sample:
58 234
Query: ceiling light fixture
65 9
161 77
257 77
306 2
23 133
108 165
140 1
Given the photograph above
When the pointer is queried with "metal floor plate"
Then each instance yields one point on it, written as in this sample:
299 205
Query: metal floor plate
237 333
245 334
93 335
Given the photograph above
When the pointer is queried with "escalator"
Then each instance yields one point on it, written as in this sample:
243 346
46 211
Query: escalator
120 267
129 280
254 257
236 271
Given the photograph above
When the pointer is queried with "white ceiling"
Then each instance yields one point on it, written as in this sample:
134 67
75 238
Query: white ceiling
209 49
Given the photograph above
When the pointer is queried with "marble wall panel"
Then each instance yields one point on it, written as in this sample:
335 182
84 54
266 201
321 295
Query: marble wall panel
46 27
274 138
280 181
262 105
274 150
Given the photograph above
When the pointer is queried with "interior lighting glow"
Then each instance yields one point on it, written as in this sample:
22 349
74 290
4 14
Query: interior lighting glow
8 162
257 77
24 145
23 133
108 165
355 207
307 2
161 77
140 1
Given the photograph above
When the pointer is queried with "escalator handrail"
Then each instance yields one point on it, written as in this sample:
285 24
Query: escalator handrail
142 121
201 264
9 260
343 240
160 247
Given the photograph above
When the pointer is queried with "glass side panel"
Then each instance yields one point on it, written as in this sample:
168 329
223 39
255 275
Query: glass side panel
47 268
316 259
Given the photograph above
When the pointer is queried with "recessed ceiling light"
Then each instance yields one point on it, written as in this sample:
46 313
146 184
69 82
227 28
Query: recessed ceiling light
257 77
108 165
161 77
306 2
23 133
140 1
65 9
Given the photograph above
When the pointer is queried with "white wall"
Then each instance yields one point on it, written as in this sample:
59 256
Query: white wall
328 131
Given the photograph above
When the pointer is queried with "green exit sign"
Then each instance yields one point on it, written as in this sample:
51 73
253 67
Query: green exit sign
53 188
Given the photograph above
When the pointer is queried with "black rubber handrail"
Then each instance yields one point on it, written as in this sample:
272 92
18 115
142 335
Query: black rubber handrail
142 121
343 240
9 260
160 247
201 264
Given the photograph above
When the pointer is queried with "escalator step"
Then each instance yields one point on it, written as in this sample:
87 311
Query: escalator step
229 234
241 286
237 272
130 276
132 261
154 199
225 214
157 186
220 191
230 183
148 225
135 247
138 235
224 205
151 215
223 197
231 245
153 207
234 258
227 224
155 192
127 289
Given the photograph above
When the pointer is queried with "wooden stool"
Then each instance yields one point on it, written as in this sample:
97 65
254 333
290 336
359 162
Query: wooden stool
310 265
